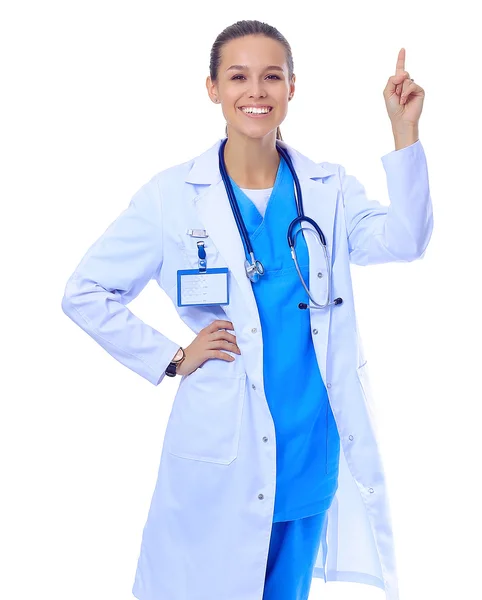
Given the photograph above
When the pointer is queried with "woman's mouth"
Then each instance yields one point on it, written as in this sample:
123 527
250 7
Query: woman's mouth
256 113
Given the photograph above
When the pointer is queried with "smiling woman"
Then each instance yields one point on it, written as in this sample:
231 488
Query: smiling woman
258 42
254 497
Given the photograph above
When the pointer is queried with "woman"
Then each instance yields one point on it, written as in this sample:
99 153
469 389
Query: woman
254 497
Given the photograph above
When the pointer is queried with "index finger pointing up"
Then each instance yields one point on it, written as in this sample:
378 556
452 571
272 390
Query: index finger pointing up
400 68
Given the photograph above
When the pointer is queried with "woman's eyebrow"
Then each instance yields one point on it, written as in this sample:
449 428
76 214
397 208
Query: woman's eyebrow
241 67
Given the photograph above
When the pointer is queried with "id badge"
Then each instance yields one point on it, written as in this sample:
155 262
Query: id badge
202 288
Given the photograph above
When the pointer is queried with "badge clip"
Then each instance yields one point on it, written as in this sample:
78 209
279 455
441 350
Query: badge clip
197 233
201 252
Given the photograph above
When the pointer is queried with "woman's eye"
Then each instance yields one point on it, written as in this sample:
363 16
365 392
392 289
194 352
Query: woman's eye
236 76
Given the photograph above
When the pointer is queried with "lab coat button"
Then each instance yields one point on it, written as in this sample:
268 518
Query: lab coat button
371 490
315 331
328 385
350 437
265 439
253 386
260 496
320 274
254 330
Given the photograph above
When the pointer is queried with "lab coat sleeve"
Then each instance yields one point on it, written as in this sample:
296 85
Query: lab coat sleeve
401 231
112 273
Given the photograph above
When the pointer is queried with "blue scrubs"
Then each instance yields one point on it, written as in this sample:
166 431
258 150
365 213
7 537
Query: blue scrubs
307 439
292 557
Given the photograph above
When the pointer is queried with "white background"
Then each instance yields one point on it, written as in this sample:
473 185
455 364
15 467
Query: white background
99 96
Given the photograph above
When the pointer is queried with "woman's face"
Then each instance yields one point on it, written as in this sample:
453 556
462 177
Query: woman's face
252 83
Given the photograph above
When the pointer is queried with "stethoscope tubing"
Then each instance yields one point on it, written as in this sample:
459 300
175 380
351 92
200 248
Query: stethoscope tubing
298 197
290 237
233 201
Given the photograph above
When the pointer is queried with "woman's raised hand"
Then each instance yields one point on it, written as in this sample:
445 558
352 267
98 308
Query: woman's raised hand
209 343
403 97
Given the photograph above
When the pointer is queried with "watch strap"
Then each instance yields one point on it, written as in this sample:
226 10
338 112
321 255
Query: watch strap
171 370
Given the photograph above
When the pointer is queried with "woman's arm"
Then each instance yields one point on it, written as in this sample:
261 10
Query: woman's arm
112 273
401 231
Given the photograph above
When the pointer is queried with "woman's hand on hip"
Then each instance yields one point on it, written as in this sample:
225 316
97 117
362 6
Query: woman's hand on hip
209 343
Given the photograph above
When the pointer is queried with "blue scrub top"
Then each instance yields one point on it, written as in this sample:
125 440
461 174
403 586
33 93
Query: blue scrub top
307 439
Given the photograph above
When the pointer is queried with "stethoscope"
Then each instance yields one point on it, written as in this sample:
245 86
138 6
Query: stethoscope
255 269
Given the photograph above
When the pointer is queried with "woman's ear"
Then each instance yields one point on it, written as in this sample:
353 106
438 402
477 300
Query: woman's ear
211 88
292 87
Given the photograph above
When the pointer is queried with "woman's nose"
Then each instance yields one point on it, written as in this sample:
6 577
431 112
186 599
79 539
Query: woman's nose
257 90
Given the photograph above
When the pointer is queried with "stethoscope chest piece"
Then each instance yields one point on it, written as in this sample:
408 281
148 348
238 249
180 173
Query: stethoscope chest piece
254 269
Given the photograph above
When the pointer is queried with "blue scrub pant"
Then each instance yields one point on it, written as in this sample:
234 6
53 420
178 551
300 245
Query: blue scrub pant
291 558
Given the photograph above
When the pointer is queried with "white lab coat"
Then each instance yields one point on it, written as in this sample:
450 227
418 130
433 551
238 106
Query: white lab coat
209 523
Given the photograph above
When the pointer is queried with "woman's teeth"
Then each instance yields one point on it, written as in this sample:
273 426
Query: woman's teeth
256 111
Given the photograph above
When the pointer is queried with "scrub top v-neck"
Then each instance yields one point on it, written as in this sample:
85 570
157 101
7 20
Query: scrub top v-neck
307 439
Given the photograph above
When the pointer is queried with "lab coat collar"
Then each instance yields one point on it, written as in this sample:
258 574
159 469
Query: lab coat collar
205 169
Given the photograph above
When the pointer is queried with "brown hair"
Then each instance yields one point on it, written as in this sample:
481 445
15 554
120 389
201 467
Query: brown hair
241 29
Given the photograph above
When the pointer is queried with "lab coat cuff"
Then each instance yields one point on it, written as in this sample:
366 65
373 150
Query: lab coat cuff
407 179
168 351
411 152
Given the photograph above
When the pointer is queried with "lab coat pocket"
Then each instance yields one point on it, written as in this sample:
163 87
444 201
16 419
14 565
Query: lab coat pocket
206 416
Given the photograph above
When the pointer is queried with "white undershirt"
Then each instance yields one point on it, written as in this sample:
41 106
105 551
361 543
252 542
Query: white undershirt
259 198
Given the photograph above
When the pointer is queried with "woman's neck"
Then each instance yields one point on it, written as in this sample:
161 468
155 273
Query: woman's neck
252 163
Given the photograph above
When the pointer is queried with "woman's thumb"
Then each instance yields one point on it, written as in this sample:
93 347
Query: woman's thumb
393 81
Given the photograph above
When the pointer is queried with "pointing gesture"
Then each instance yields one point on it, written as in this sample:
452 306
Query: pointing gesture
403 97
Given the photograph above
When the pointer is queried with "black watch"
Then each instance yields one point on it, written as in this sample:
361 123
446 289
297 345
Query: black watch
178 358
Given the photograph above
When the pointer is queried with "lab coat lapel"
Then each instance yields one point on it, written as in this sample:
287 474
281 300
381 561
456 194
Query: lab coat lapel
214 211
